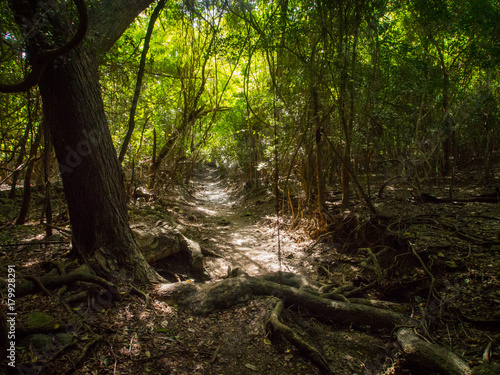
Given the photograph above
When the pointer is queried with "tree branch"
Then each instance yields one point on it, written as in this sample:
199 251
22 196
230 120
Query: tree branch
43 57
109 19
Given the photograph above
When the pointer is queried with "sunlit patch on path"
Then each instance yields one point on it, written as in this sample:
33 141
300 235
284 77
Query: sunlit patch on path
236 232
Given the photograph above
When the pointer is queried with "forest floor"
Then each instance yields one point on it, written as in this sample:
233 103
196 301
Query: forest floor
455 296
243 229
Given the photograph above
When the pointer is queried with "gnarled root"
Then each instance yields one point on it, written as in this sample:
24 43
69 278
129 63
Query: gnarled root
430 356
50 281
204 299
305 348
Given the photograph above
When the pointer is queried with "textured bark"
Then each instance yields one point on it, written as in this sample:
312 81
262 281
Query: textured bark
108 20
430 356
74 114
92 177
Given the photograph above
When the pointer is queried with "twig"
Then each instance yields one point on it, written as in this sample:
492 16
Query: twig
39 282
365 197
320 238
327 271
214 356
64 231
487 352
14 171
360 289
376 265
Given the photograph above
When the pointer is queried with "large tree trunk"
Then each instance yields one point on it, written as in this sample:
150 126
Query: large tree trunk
92 177
74 113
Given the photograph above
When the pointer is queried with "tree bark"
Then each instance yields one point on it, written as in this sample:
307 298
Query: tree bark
91 174
74 113
430 356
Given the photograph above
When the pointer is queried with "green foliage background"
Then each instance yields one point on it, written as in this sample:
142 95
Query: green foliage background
395 79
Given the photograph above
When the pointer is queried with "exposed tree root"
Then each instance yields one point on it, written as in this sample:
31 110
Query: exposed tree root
204 299
430 356
22 332
140 293
305 348
50 281
208 298
393 306
83 354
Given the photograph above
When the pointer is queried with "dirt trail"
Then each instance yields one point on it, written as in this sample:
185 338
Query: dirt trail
238 230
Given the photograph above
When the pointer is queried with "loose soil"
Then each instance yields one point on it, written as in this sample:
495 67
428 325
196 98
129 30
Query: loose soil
242 228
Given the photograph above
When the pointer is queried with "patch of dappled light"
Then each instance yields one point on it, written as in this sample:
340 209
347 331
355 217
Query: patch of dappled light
31 263
161 306
239 241
218 197
207 211
145 315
